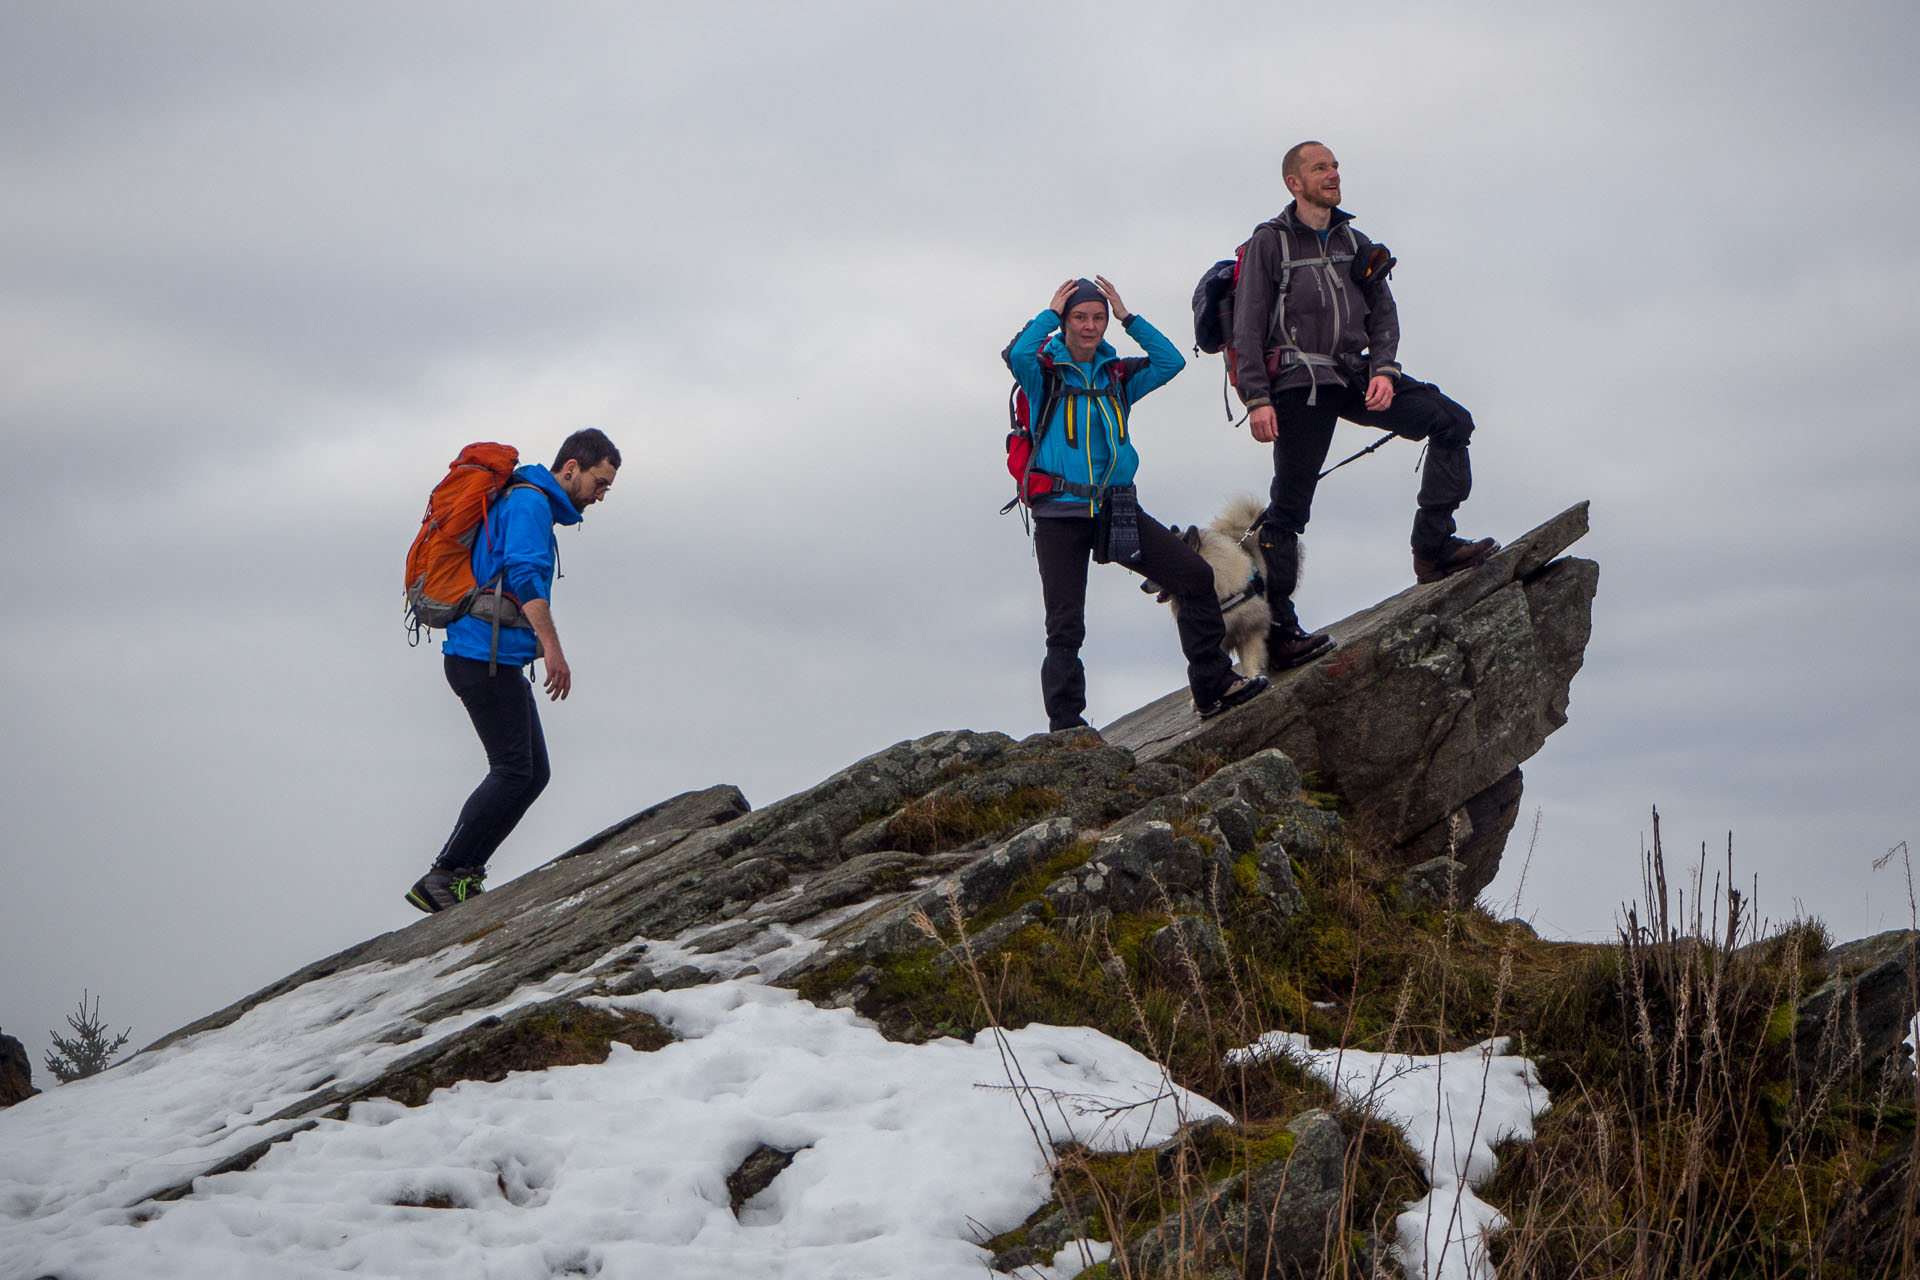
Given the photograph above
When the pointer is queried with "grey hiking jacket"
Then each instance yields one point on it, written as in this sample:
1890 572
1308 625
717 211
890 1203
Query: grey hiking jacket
1322 317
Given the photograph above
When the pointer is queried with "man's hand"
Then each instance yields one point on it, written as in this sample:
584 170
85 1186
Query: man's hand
1380 393
1112 296
1263 423
559 679
1060 296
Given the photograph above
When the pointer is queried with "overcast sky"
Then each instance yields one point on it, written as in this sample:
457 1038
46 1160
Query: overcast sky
265 268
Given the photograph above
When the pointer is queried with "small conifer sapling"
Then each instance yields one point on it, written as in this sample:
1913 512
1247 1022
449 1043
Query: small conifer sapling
89 1051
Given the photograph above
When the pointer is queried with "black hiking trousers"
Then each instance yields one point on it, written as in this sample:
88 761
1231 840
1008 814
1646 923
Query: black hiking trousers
507 718
1419 412
1063 545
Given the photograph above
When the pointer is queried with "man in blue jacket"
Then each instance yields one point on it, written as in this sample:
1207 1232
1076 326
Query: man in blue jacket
1082 393
488 651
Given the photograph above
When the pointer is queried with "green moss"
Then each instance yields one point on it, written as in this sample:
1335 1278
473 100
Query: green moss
1135 1192
822 983
1277 1146
908 977
1780 1024
1246 874
1128 936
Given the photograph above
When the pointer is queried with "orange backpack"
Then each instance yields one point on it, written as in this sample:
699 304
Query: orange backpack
440 583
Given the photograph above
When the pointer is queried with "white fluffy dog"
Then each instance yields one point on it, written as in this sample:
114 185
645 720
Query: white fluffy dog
1230 546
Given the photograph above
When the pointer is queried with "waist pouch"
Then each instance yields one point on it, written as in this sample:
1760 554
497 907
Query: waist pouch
1116 529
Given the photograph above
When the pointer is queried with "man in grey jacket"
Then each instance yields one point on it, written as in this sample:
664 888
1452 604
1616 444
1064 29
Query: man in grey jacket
1315 336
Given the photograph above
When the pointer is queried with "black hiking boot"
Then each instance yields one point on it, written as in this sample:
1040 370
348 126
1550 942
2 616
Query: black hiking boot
1288 646
1243 689
443 887
1451 557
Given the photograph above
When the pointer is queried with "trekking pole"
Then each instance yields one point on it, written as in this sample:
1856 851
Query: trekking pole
1356 457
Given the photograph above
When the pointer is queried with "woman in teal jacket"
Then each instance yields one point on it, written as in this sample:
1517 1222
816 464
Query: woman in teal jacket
1085 439
1083 442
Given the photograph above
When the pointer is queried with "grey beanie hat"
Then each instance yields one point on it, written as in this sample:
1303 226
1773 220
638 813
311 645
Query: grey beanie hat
1085 291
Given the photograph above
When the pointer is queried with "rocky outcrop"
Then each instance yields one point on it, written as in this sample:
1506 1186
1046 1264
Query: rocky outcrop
16 1072
1423 712
1861 1014
1239 818
1419 719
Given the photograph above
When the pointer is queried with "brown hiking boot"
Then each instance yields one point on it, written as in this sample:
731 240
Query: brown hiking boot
1288 647
1453 556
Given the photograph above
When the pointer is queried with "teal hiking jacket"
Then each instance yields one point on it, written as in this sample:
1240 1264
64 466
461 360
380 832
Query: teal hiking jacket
1087 438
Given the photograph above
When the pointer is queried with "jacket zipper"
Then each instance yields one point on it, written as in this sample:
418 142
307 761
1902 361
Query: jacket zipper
1113 446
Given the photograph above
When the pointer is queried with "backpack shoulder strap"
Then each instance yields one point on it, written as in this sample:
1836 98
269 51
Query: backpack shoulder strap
1276 323
1049 393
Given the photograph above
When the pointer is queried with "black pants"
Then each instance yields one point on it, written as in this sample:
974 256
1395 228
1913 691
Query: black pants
1419 412
507 719
1063 545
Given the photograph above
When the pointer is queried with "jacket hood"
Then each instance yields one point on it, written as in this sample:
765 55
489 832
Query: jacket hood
564 512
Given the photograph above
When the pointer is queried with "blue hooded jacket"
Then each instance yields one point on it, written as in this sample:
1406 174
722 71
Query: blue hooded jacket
1086 439
518 536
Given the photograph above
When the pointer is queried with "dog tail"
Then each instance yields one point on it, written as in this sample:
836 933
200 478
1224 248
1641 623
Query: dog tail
1240 513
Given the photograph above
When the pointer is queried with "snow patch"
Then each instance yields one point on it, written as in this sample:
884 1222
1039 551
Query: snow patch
1454 1108
906 1156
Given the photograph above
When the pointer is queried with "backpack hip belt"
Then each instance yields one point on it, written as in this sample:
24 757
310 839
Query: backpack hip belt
1091 492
